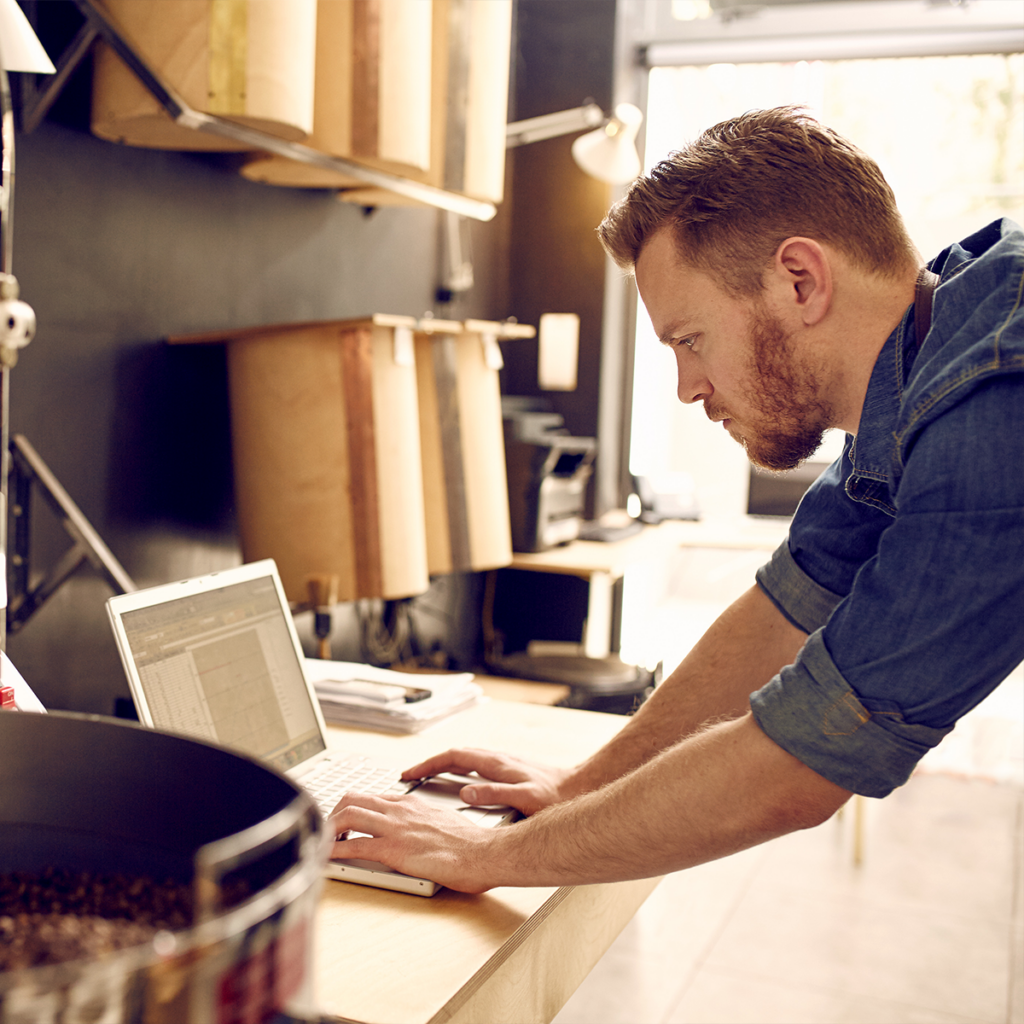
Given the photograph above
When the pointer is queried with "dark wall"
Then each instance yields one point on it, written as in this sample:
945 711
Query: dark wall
116 248
563 56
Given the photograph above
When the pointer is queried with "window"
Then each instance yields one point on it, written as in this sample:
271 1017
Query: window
948 132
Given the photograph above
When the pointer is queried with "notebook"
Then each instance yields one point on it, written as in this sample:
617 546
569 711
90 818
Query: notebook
217 658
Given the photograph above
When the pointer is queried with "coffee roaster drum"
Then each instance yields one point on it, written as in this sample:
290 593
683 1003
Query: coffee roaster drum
88 794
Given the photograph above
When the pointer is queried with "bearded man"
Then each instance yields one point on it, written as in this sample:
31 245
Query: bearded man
774 263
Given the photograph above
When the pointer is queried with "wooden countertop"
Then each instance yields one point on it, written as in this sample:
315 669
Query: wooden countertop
507 955
585 558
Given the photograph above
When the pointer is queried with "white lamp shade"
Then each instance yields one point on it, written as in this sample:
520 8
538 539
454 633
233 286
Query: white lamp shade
20 50
609 152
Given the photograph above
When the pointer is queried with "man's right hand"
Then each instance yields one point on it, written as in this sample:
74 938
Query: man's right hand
504 780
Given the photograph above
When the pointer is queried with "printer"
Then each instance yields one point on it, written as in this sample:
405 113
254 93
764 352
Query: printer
548 470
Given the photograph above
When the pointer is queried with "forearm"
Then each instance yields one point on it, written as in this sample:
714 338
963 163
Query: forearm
723 790
744 648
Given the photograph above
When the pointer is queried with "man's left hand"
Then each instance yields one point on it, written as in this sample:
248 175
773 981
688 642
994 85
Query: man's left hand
412 836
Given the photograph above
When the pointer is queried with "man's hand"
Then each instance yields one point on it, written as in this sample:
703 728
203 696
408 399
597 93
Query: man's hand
505 780
414 837
708 796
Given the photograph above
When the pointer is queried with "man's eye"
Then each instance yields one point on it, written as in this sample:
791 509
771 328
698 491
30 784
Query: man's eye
688 342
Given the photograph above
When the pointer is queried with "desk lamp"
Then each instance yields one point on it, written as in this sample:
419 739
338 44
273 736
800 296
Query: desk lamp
607 153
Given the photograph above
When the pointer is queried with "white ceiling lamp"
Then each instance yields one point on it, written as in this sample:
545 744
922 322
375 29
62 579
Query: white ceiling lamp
20 50
691 10
608 152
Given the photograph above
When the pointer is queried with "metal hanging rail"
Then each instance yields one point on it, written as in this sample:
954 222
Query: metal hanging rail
99 24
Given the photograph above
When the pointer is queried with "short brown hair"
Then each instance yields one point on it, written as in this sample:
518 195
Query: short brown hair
749 183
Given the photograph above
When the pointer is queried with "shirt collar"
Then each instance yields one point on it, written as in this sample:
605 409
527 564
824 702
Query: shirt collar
872 450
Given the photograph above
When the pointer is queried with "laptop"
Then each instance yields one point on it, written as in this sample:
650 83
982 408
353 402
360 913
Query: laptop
217 658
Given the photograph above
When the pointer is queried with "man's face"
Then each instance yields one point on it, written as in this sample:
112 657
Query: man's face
735 356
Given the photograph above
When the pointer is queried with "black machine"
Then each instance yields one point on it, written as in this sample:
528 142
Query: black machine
548 471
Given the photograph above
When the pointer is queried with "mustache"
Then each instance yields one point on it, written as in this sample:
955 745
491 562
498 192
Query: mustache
715 413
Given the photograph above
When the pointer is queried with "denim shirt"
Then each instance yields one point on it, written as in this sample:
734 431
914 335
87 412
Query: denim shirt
905 559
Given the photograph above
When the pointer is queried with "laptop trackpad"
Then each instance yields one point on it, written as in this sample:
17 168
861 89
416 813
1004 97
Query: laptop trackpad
443 791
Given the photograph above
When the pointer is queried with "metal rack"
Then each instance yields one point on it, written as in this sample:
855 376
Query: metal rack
30 473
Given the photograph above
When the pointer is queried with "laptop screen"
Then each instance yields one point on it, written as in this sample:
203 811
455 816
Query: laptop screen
220 665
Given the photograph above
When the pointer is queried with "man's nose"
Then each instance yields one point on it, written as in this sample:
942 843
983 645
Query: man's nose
692 386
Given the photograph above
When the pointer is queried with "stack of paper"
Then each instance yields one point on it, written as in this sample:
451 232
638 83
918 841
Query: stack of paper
378 698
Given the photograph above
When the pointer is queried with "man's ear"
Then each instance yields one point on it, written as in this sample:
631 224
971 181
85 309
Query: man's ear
802 275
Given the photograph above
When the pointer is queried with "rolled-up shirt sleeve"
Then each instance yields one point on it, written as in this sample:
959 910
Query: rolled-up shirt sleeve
811 711
805 602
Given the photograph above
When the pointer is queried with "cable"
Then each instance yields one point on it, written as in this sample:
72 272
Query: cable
385 635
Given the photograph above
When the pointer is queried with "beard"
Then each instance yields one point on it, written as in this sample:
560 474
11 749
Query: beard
791 417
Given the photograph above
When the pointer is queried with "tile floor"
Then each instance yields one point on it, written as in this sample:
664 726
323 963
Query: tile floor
928 929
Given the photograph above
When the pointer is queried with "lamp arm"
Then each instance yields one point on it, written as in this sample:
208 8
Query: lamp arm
549 126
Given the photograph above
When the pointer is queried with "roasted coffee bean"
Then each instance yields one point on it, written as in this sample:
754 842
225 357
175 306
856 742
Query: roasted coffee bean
60 915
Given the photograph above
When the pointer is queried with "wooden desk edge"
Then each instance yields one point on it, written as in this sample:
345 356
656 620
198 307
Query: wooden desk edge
497 991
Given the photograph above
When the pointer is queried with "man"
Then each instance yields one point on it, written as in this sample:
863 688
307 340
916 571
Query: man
772 260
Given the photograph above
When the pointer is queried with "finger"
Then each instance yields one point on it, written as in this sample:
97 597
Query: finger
356 849
486 794
354 819
356 799
462 759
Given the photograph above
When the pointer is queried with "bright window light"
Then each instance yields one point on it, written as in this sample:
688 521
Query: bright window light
948 133
691 10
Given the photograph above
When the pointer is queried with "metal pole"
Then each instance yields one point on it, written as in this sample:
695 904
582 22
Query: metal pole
6 234
17 326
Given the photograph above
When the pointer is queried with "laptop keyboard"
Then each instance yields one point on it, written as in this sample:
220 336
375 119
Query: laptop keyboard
336 778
